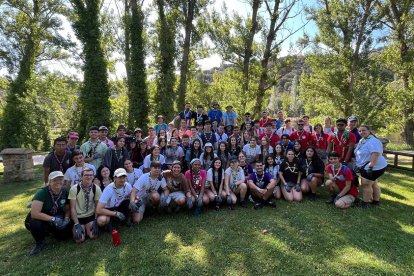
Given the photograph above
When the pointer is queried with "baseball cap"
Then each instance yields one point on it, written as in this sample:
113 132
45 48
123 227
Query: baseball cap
137 130
120 172
208 145
233 158
55 174
214 103
73 135
103 128
352 118
122 126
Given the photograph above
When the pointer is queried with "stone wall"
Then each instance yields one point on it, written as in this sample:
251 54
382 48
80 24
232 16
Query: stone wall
18 164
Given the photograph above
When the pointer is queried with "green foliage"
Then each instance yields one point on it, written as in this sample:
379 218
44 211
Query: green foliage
94 98
119 103
137 87
165 59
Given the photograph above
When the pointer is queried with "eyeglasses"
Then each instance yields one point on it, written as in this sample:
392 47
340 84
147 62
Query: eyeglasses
88 175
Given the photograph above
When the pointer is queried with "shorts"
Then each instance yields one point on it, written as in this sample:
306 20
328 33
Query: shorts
347 199
177 195
84 221
375 174
123 207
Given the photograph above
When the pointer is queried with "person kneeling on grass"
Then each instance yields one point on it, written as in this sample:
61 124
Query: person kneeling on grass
290 175
339 184
196 178
235 183
83 198
313 170
114 201
146 192
49 212
177 185
261 186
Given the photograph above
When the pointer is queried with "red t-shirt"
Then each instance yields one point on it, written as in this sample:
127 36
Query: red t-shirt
263 123
272 137
347 177
193 182
303 136
341 143
320 141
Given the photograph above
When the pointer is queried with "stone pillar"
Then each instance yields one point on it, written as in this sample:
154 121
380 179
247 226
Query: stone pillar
18 164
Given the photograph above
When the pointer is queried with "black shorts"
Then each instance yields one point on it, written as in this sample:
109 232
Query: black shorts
84 221
375 174
123 207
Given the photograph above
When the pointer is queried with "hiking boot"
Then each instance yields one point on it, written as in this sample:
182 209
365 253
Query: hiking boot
271 204
231 206
312 196
375 202
331 200
37 249
258 205
365 205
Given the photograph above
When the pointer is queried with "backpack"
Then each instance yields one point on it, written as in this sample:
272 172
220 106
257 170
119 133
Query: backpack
78 188
355 180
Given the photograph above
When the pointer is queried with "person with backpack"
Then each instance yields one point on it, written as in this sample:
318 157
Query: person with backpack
340 183
371 164
342 141
83 199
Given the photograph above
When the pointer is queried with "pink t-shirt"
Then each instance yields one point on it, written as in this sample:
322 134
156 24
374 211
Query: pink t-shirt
196 181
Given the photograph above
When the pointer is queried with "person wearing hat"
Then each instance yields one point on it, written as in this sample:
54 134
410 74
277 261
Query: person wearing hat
353 127
83 198
74 174
234 183
72 145
197 178
265 119
207 156
215 114
49 212
146 192
342 141
246 121
58 159
103 137
93 149
229 117
138 135
287 129
114 201
160 124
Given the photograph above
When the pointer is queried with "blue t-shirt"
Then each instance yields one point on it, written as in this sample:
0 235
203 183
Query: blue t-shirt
261 181
230 118
215 115
279 123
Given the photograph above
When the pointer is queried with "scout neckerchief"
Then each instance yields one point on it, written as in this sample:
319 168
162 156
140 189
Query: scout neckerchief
291 169
93 147
196 180
60 162
87 191
363 141
338 172
79 174
260 182
341 141
119 196
307 166
55 200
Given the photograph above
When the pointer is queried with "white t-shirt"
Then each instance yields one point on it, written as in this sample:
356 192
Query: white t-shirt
251 152
210 176
113 197
173 154
132 177
273 172
73 174
146 184
147 161
363 152
235 176
284 130
221 138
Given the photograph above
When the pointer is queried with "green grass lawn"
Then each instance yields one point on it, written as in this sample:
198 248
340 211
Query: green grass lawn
309 238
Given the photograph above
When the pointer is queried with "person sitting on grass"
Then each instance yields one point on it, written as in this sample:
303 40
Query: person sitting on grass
196 178
339 183
177 185
313 170
235 183
114 201
290 175
261 186
49 212
146 192
83 198
215 177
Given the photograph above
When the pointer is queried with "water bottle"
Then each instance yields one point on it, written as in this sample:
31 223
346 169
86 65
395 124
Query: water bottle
116 239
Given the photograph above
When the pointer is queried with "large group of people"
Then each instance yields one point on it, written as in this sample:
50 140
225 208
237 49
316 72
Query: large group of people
213 159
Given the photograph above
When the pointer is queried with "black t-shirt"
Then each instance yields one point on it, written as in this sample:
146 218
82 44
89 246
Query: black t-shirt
58 163
290 171
208 137
314 166
200 118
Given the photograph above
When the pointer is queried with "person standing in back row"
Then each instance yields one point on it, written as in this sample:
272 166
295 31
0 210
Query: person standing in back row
342 141
215 114
93 149
57 160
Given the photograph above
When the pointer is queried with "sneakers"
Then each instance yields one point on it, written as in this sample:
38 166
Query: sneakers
243 203
312 196
37 249
197 211
375 202
365 205
231 206
271 204
331 200
258 205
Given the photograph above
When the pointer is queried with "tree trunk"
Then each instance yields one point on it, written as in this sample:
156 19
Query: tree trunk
182 88
249 45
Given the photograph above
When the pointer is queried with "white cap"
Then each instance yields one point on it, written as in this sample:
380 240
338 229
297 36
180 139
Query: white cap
55 174
208 145
120 172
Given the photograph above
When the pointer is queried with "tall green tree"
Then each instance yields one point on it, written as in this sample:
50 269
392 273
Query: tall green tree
166 54
342 79
94 97
135 65
29 34
398 16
